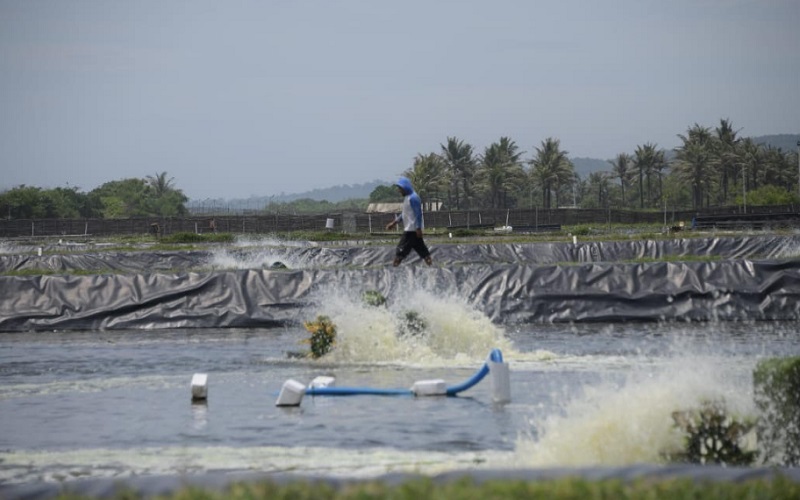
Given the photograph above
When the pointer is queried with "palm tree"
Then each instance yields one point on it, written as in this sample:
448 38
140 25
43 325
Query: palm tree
500 171
457 157
165 199
620 167
751 163
726 143
645 159
779 169
550 169
429 177
694 163
659 165
598 183
160 184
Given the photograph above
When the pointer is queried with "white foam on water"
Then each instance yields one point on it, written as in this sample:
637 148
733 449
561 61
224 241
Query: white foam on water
59 466
264 258
628 423
249 252
455 332
267 241
92 385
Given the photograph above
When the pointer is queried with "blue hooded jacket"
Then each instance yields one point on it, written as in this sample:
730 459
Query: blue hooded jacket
412 207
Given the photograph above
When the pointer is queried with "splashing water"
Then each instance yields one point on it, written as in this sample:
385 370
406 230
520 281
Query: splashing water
268 241
613 425
454 332
258 253
258 258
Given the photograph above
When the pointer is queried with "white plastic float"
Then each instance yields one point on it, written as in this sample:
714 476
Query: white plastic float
293 391
199 387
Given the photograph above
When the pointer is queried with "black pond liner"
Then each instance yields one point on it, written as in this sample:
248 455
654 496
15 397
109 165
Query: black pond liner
747 279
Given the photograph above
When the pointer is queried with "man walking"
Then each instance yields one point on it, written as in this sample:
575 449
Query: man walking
413 224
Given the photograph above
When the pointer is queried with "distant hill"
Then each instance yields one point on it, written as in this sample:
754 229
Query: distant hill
336 193
331 194
585 166
785 142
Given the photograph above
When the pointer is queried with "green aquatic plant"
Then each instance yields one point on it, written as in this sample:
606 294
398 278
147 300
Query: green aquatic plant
713 436
412 324
323 336
776 390
374 298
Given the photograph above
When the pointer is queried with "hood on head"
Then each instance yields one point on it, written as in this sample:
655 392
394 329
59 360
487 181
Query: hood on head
404 183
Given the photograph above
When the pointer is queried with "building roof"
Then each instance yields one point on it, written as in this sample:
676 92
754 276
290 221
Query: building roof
384 208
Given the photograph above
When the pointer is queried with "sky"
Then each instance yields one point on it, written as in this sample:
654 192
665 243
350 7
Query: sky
241 98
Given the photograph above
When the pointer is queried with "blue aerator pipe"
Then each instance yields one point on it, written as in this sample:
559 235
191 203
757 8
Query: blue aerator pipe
354 391
495 356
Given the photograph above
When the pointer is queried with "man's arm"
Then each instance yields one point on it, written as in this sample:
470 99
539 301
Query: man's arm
394 222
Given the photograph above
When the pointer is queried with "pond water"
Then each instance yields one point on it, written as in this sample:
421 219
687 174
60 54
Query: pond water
118 403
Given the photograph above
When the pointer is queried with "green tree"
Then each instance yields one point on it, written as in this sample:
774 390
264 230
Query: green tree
429 177
621 169
163 199
312 206
384 194
779 170
649 162
770 195
24 202
66 203
550 170
675 194
459 161
28 202
500 172
597 188
694 163
660 166
751 165
725 157
123 198
160 184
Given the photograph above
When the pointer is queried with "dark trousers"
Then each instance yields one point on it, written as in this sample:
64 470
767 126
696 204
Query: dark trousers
410 241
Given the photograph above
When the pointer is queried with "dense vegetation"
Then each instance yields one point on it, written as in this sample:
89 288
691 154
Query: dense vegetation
309 206
152 196
712 167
